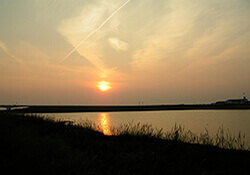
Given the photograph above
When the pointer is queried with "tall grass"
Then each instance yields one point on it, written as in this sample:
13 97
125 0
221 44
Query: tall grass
137 129
223 138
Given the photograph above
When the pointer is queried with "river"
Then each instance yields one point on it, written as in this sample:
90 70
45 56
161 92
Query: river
194 120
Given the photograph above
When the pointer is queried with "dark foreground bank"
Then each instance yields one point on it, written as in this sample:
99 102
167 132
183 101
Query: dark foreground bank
36 145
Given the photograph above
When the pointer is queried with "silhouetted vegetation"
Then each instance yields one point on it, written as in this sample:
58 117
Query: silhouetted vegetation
222 139
39 145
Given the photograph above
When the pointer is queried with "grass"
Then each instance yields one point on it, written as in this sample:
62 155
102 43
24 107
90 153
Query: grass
39 145
223 139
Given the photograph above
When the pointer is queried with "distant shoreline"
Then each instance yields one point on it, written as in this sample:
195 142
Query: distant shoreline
116 108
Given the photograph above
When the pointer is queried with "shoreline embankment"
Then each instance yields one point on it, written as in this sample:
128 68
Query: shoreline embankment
119 108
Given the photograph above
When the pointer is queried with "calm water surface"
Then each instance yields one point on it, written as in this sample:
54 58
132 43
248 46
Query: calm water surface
195 120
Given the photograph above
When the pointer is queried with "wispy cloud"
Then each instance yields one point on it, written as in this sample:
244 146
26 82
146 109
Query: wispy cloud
117 44
193 32
33 63
9 54
3 47
93 31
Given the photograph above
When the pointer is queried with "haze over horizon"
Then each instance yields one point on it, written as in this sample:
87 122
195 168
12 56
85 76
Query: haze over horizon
123 51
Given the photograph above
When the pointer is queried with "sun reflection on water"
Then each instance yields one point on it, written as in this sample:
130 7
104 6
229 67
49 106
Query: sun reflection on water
104 124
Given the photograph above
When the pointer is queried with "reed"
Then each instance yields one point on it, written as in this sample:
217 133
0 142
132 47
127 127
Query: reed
222 139
137 129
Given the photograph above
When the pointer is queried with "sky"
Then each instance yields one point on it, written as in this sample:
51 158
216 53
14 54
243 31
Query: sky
150 51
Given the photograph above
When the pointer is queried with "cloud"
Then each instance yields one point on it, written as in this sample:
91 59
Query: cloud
3 47
118 44
88 29
33 63
10 54
6 51
95 30
192 33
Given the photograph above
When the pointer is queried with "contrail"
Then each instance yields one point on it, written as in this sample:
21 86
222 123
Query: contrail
96 30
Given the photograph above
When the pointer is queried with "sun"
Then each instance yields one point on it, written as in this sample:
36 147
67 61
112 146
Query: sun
103 86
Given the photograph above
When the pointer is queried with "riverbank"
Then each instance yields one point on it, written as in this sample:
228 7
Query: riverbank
119 108
33 144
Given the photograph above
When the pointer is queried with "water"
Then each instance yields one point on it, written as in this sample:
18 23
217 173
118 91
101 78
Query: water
195 120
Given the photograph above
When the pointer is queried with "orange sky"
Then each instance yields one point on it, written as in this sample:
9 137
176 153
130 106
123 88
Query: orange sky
162 51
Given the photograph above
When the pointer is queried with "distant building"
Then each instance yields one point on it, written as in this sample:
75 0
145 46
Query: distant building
233 101
237 101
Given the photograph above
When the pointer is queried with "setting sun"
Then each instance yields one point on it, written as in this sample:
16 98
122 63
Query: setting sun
103 86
